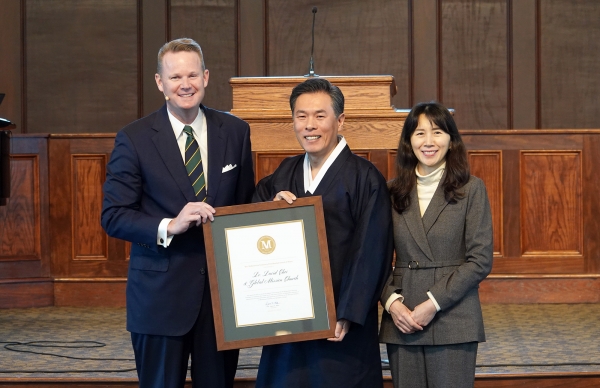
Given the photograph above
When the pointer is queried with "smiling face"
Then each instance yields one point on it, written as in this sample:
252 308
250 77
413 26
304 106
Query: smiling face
182 81
430 145
316 125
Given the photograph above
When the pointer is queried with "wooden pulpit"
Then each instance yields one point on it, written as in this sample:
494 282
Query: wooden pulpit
372 126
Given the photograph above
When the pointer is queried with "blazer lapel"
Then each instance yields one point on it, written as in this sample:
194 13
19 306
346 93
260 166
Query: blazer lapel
412 216
217 146
437 204
167 147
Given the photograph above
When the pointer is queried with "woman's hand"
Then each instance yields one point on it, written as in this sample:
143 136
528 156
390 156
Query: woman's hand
403 319
424 313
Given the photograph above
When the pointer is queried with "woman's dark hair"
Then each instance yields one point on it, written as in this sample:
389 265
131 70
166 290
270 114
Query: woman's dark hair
457 164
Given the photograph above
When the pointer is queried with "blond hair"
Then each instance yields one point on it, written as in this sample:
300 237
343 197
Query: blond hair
178 45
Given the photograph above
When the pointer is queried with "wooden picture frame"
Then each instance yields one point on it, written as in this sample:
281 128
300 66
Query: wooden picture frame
269 273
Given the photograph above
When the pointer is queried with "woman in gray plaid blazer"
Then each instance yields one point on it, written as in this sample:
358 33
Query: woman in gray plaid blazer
432 322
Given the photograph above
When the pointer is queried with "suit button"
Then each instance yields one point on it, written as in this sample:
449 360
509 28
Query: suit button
202 271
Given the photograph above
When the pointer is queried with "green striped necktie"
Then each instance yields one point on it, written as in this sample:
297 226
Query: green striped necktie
193 164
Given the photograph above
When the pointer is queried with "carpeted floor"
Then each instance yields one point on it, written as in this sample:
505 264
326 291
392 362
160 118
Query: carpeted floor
92 342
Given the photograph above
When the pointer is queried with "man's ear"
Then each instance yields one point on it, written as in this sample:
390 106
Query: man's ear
340 120
158 82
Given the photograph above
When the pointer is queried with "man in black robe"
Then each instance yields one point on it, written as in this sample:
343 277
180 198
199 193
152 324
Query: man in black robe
358 221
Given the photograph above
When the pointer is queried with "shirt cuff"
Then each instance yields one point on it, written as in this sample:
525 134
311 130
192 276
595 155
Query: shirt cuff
392 299
437 306
161 237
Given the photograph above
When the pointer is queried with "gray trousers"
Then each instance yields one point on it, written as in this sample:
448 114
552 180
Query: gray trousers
433 366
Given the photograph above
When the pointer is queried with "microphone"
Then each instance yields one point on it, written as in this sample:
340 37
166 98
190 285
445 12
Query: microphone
311 63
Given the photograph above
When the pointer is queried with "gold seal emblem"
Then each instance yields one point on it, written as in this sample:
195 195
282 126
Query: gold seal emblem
266 245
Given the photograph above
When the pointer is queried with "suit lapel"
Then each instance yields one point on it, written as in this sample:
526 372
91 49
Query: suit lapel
217 144
412 216
437 204
167 147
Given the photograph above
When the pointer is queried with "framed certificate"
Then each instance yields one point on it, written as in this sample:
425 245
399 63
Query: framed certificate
270 280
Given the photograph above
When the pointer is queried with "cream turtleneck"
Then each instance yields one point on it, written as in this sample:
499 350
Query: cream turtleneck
426 186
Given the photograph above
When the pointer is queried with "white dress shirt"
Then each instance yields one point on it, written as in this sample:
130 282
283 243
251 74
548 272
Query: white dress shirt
311 184
199 129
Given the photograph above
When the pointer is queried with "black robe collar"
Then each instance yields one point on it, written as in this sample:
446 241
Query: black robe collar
328 178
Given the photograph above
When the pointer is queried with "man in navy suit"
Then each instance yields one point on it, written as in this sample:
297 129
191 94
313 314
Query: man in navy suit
166 174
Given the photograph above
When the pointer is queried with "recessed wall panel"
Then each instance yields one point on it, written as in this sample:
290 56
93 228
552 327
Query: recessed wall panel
569 65
267 162
20 218
81 65
551 218
213 24
474 62
487 165
89 239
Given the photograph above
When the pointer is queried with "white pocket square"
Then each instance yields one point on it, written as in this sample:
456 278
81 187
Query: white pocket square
229 167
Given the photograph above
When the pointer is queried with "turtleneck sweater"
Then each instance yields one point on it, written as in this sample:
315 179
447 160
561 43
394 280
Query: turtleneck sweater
426 186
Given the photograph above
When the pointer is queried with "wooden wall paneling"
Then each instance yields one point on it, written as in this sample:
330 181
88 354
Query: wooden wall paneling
21 217
569 68
213 24
474 62
524 65
351 38
425 51
377 157
391 169
538 288
60 187
80 247
90 292
523 139
114 263
11 60
154 33
591 204
511 214
487 165
82 65
24 246
26 293
551 210
252 34
512 143
265 163
89 240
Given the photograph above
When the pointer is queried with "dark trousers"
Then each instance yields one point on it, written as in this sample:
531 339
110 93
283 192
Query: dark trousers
433 366
162 361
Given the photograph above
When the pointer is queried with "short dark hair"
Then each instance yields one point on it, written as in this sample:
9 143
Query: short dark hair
316 85
177 45
457 163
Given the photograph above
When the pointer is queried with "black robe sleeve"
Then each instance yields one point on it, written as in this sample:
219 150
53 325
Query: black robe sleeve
369 257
